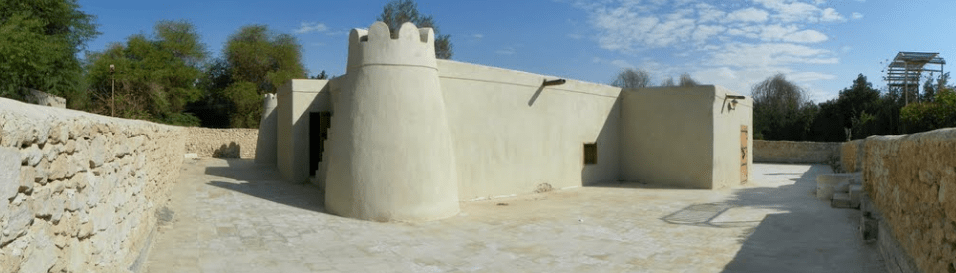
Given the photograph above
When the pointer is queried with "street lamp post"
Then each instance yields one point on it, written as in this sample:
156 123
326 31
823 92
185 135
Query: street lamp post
112 92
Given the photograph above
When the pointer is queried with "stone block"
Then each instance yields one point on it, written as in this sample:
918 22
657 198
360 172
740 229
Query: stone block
856 178
60 167
97 151
42 172
31 155
840 200
9 173
50 151
18 221
42 204
43 256
77 253
27 178
70 147
842 187
856 192
826 184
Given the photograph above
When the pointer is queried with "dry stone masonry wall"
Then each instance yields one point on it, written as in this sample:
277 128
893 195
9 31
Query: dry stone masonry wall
851 155
79 192
912 181
222 143
795 152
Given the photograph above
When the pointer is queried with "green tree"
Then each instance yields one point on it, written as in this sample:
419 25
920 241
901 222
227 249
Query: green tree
39 41
858 112
632 78
927 116
782 110
255 61
929 91
397 12
856 104
155 77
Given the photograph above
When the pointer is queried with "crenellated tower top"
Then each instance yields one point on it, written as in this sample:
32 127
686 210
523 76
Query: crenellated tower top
375 46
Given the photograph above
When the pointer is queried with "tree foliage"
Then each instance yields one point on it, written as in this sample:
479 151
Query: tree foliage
926 116
39 41
782 110
155 76
632 78
397 12
255 61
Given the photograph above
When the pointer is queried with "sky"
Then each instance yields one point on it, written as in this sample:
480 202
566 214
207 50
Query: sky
820 45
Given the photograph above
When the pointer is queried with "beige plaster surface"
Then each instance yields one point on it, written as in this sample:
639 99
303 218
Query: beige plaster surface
727 118
233 216
296 100
392 155
511 135
682 136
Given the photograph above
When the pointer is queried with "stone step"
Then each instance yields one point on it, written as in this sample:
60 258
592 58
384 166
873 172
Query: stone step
856 191
826 184
840 200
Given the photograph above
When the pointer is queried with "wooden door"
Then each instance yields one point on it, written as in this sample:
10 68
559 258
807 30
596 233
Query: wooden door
743 154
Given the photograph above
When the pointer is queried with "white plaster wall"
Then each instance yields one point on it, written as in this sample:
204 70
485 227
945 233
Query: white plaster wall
726 133
296 99
667 136
393 157
510 135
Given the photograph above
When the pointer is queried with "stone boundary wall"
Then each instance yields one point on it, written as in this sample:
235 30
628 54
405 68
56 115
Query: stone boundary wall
851 155
911 179
80 192
222 143
795 152
45 99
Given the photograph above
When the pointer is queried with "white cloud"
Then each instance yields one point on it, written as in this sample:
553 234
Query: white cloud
805 36
307 27
831 15
730 44
789 11
748 15
769 55
776 33
478 36
856 16
506 51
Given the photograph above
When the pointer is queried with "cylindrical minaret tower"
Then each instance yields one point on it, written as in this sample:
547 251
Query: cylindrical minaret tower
393 158
266 144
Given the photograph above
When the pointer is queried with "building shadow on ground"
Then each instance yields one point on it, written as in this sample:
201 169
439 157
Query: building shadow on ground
244 176
807 235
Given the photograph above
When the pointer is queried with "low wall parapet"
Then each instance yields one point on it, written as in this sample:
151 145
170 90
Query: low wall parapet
795 152
221 143
911 179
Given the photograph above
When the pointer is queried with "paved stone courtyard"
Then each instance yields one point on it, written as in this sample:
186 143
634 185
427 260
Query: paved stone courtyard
234 216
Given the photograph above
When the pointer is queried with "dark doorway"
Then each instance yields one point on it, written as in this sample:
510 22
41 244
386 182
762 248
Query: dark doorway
319 123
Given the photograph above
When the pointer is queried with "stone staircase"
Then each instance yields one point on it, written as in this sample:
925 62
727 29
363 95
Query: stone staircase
318 178
842 190
845 190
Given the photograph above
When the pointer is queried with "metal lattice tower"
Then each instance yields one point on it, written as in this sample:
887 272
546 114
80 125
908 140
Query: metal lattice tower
907 67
